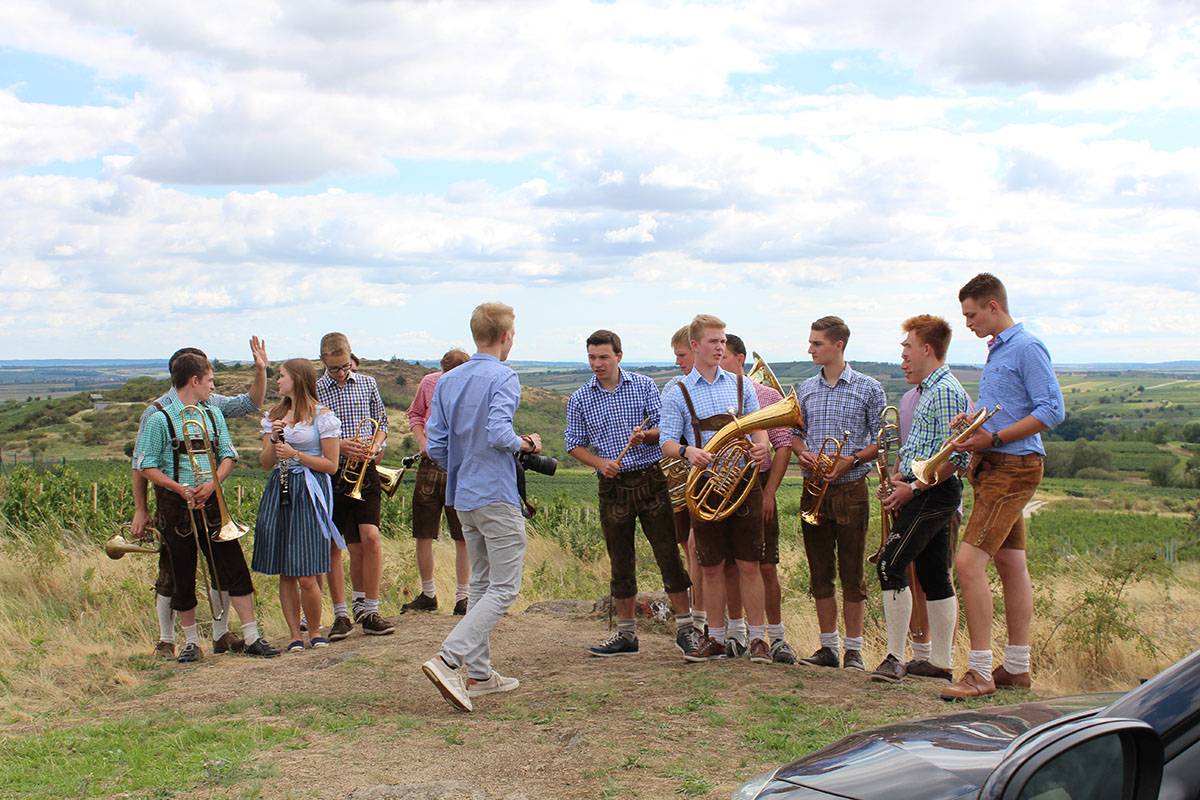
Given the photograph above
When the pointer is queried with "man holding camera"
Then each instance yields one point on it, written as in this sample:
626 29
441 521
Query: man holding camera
470 435
616 414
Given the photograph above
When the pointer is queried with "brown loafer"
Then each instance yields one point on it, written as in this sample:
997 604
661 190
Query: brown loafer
1010 680
229 641
164 650
971 685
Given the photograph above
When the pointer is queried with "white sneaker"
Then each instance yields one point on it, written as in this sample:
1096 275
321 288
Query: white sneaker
448 682
495 683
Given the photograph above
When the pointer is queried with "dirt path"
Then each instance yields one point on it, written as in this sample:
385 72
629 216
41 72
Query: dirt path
370 725
1032 507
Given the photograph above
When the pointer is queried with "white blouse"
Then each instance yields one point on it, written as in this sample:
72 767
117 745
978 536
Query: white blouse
306 436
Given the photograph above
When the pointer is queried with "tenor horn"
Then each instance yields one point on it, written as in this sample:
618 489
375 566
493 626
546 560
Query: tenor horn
820 475
715 491
889 437
927 471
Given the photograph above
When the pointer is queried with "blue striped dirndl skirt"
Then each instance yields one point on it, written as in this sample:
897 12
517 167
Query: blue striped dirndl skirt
300 550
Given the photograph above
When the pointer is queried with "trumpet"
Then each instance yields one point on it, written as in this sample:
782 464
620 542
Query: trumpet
820 474
889 437
389 477
762 373
118 546
715 491
355 469
927 471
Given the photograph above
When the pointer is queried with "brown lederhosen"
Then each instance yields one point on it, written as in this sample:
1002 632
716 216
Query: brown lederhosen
739 536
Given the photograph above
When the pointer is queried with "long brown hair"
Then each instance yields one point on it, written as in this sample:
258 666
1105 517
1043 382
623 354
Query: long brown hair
304 387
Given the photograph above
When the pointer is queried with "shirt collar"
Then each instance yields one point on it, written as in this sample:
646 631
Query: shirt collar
351 378
1006 334
485 357
933 378
622 377
694 377
847 375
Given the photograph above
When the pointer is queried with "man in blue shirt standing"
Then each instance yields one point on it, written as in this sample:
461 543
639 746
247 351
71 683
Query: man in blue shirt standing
1005 471
470 435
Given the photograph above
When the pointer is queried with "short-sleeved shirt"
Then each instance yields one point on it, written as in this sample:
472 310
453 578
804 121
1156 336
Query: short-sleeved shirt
853 403
603 419
418 410
780 438
1019 376
942 397
231 406
710 399
306 436
352 402
154 444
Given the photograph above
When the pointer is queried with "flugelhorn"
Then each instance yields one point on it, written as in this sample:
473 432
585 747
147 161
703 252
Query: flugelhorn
889 437
191 418
390 478
717 490
118 546
355 469
927 471
762 373
820 474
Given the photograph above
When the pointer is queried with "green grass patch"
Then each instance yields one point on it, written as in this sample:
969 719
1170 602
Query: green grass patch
784 727
161 754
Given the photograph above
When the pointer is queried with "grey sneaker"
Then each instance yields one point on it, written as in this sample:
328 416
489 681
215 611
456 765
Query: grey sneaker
852 659
495 683
616 645
449 682
782 652
734 648
358 610
687 639
824 657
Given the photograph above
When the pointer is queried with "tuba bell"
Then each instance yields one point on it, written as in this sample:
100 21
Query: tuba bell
715 491
762 373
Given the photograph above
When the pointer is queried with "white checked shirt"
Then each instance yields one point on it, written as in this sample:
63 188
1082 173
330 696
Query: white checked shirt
853 403
352 402
604 419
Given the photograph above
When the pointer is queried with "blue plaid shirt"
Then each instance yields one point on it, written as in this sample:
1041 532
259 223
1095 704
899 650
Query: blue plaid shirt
710 399
604 419
230 407
941 398
154 444
352 402
1018 375
853 403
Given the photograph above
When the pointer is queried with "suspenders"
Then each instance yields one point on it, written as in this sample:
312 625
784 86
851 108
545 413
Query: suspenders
177 443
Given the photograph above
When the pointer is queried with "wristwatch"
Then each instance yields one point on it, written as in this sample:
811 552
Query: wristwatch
683 450
996 440
855 462
916 489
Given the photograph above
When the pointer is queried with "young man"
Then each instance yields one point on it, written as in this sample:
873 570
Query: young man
701 407
836 400
1005 472
240 405
685 359
470 435
923 510
184 499
616 415
353 398
769 477
429 500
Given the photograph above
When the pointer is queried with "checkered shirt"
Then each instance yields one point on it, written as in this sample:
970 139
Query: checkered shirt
352 402
854 403
942 396
710 399
780 438
603 420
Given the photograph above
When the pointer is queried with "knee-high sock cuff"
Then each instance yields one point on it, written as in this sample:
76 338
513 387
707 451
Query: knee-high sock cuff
943 622
897 612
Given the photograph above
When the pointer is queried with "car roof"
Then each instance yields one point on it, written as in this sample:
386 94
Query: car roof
1169 702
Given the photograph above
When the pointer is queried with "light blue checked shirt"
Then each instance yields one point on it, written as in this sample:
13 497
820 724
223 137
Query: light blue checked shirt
603 420
230 407
1018 375
153 450
853 403
941 398
710 399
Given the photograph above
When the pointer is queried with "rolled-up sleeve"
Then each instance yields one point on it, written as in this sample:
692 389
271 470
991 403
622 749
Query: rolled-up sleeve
418 412
1045 394
575 434
505 399
237 406
152 442
436 432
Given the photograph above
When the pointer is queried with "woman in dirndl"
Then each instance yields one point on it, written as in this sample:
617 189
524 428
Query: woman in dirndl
292 535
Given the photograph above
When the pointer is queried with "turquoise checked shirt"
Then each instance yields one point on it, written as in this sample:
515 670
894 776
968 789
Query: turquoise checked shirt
942 397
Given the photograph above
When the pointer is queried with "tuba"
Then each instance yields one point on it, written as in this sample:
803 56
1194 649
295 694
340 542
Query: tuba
118 546
927 471
820 474
762 373
889 437
676 470
192 418
355 469
715 491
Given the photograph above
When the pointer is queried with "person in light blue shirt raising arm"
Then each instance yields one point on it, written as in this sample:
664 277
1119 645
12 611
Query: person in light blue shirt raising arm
1005 471
470 434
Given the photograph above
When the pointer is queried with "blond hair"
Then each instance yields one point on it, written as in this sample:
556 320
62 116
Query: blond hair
490 321
680 337
700 322
334 343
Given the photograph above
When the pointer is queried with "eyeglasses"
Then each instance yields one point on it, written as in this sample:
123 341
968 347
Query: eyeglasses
343 368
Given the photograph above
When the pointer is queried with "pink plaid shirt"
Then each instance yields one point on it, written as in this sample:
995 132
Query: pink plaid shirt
780 438
418 412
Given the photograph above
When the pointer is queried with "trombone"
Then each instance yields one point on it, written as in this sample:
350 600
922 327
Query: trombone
820 474
390 478
355 469
889 437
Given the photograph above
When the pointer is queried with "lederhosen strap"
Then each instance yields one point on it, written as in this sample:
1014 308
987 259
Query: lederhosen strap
716 421
177 446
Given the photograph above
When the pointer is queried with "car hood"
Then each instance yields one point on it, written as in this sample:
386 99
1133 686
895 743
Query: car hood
939 757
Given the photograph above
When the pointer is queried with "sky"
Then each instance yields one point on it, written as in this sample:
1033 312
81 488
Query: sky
191 174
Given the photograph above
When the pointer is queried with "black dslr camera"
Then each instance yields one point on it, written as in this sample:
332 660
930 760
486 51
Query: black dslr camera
544 465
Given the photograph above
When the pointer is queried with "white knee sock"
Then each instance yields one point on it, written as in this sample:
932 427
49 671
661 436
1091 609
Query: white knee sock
981 662
921 651
897 612
1016 659
428 588
166 618
943 620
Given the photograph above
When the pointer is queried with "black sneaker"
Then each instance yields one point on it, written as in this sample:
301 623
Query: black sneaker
422 602
190 653
340 629
825 657
617 645
261 649
889 671
375 625
687 639
923 669
358 610
460 608
852 659
782 652
734 648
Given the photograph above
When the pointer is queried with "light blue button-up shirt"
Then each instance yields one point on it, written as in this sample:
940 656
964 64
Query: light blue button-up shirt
470 433
710 399
1018 375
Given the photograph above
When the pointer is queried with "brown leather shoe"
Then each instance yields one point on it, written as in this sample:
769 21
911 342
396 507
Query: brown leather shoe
164 650
228 641
1010 680
708 649
971 685
760 653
